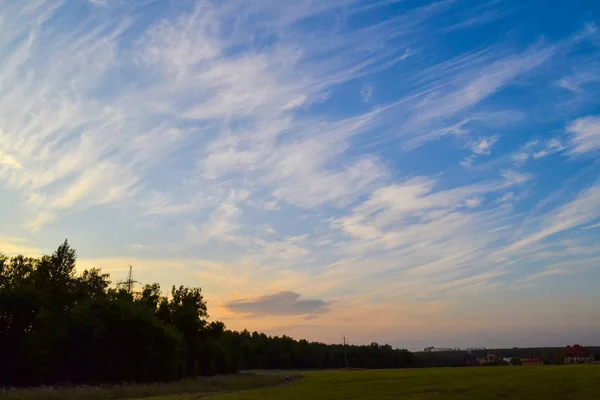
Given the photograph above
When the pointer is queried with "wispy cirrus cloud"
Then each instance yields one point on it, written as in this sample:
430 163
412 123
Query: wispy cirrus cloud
584 135
579 78
582 209
474 77
594 226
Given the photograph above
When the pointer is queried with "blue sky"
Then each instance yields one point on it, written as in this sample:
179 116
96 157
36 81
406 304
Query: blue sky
412 172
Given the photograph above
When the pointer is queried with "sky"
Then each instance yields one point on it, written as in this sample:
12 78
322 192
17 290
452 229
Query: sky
419 173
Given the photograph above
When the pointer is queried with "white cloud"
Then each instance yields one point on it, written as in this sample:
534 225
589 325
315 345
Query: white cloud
514 177
484 145
520 158
584 135
544 273
224 221
580 77
88 142
366 93
474 202
10 161
594 226
506 197
583 208
392 212
535 150
481 75
467 162
552 146
297 172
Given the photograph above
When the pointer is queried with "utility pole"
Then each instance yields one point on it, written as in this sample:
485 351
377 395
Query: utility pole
345 356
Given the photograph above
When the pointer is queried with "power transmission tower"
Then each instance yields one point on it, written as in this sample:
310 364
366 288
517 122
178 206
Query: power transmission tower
345 356
128 284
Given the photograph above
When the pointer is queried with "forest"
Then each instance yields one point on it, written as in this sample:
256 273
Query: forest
58 326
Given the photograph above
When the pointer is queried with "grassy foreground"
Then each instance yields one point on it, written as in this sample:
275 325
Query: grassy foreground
526 383
183 390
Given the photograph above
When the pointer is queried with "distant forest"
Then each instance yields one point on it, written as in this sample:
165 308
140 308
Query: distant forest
60 327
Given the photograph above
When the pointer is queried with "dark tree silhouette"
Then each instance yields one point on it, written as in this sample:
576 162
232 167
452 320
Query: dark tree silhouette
58 327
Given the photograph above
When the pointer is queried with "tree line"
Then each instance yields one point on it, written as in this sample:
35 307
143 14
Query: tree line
259 351
61 327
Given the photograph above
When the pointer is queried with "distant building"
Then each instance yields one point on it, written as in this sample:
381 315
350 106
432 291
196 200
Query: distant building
531 360
577 354
438 349
491 359
433 349
468 360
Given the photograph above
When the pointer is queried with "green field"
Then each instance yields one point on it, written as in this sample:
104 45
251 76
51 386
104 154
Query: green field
580 382
527 383
182 390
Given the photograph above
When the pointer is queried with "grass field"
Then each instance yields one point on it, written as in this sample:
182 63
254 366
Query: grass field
526 383
519 383
183 390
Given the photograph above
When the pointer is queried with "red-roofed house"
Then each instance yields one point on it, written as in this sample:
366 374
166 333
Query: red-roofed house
577 354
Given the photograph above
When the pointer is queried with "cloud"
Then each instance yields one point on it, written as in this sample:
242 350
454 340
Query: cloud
484 145
481 19
535 150
68 148
299 172
424 238
12 246
366 93
10 161
520 159
282 303
481 75
551 147
579 78
583 208
506 197
584 135
474 202
223 222
514 177
594 226
544 273
467 162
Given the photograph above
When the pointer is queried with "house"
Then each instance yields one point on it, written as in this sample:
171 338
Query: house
577 354
469 360
491 359
531 360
